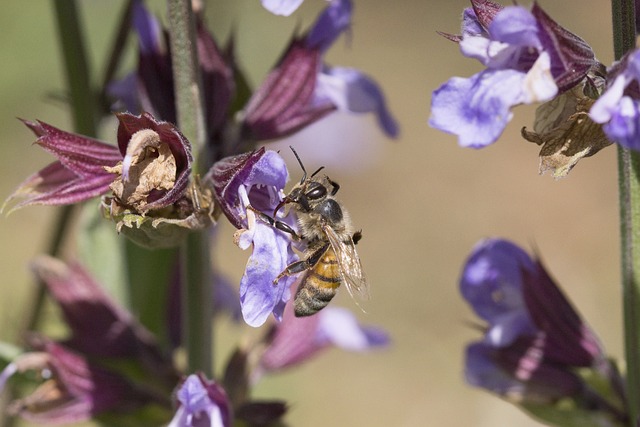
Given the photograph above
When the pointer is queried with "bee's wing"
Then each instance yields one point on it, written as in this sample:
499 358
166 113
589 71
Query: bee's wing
349 263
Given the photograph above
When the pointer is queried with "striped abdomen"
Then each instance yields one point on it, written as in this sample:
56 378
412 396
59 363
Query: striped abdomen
319 285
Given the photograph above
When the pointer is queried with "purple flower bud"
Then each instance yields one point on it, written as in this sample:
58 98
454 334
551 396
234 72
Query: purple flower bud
99 326
202 403
285 101
78 175
73 389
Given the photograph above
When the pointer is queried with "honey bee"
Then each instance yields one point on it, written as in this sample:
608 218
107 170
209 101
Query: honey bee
330 258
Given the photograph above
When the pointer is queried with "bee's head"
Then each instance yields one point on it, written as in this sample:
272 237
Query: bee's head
309 192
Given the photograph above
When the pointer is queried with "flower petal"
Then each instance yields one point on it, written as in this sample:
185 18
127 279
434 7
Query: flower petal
281 7
352 91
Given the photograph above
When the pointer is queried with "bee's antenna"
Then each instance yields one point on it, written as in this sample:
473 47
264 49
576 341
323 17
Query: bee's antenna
316 172
304 175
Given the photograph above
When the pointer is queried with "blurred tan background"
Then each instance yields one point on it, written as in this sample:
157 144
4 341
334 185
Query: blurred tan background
421 201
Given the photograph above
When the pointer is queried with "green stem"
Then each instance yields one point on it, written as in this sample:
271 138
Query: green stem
197 289
629 184
82 103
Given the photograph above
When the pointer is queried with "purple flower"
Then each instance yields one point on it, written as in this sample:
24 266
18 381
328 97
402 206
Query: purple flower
73 389
201 403
619 106
529 58
99 326
298 339
256 179
78 175
281 7
301 89
534 336
151 87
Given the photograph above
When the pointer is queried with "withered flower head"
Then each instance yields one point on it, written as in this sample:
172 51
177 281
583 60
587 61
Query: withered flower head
154 201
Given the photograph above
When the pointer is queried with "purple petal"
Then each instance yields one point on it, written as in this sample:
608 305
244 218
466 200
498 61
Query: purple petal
335 19
354 92
340 327
98 325
517 373
284 103
263 173
202 403
515 25
148 29
571 56
492 281
624 126
259 296
485 11
281 7
83 155
607 105
476 109
568 339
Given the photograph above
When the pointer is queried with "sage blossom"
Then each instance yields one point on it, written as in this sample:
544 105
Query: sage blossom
536 347
256 179
201 403
529 59
302 89
618 108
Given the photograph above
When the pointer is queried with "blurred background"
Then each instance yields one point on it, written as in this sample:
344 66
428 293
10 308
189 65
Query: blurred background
421 200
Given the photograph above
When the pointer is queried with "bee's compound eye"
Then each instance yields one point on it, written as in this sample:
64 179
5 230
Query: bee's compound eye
316 192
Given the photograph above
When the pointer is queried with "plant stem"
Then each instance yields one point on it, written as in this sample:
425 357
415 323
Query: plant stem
82 103
623 12
197 299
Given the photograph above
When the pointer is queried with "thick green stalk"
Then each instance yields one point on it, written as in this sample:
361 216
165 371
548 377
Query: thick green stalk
629 183
197 289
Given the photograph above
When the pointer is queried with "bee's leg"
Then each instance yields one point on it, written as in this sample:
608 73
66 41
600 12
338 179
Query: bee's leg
282 226
303 264
356 237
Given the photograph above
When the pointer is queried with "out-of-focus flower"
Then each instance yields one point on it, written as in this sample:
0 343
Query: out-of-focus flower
536 348
99 326
619 106
281 7
78 175
296 340
529 58
297 92
301 89
201 403
517 298
72 390
256 179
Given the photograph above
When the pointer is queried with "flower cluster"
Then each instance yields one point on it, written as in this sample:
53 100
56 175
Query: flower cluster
111 365
536 351
530 58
